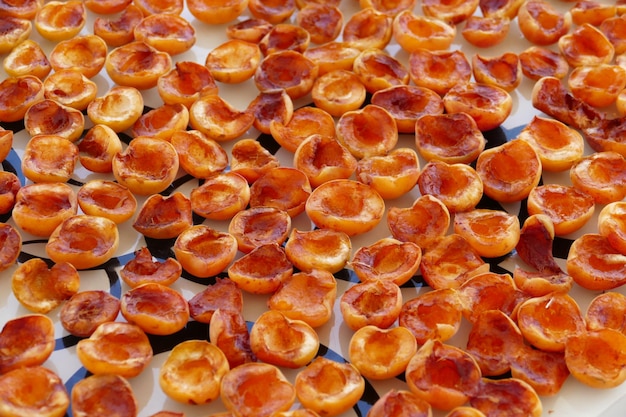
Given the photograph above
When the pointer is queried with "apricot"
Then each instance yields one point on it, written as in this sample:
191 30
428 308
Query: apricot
369 131
193 371
381 353
465 411
433 315
606 134
503 71
453 12
613 29
118 31
322 158
597 85
47 117
221 196
423 223
256 388
494 340
115 348
58 21
357 215
49 158
86 53
457 186
595 264
376 303
488 105
258 226
15 30
443 375
118 108
338 92
596 357
40 208
98 147
611 225
268 106
185 83
17 94
284 188
162 122
137 64
508 395
586 45
251 160
84 311
262 270
166 32
147 165
547 322
305 121
413 32
23 10
537 62
223 295
33 390
218 119
11 246
274 12
492 233
391 175
250 30
545 372
228 331
234 61
199 155
27 57
144 269
40 288
485 32
408 103
489 291
332 56
329 387
9 186
506 8
107 199
219 12
378 70
510 171
541 23
452 138
318 249
103 394
450 262
84 241
287 69
285 36
150 7
316 308
107 6
387 259
28 341
601 176
281 341
592 12
368 28
606 311
204 252
573 210
323 22
70 87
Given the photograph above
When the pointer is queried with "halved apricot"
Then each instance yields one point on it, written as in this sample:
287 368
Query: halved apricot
489 291
185 83
23 10
316 308
597 85
323 21
606 311
258 226
262 270
256 388
98 147
338 92
381 353
219 12
115 348
150 7
281 341
284 188
407 103
329 387
509 171
322 158
450 262
387 259
118 31
508 395
286 69
199 155
49 158
541 23
368 131
118 108
84 241
218 119
250 30
433 315
378 70
221 196
413 32
147 166
318 249
86 53
11 243
228 331
137 64
376 303
9 186
595 264
41 288
568 208
193 372
49 117
458 186
15 30
391 175
586 45
592 12
103 393
274 12
545 372
333 56
164 217
234 61
453 12
612 224
27 57
107 6
452 138
107 199
368 28
537 62
443 375
304 122
488 105
600 175
251 160
17 94
58 21
613 29
27 341
485 32
285 36
423 223
271 105
492 233
86 310
166 32
144 269
162 122
357 215
33 390
204 252
504 71
223 295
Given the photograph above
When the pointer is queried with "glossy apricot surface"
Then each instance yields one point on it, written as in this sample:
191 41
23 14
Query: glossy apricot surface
103 393
86 310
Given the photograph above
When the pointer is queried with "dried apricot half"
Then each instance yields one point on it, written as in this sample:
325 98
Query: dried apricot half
387 259
203 251
376 303
103 394
595 264
86 310
33 391
26 341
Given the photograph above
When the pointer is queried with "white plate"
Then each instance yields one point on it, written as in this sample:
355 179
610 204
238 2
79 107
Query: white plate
574 400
